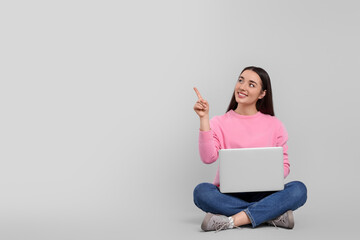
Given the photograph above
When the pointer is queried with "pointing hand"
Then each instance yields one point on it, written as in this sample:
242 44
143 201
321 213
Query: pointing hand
201 106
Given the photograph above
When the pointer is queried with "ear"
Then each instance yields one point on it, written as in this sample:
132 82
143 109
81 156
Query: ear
262 94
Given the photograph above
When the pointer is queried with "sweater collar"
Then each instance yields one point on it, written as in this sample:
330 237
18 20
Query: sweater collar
235 114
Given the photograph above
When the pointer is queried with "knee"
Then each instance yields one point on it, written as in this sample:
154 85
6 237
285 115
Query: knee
298 191
201 191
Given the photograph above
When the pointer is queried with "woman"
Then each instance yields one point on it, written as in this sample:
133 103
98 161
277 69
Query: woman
249 122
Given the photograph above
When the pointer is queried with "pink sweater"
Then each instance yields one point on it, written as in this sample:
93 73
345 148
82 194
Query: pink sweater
233 130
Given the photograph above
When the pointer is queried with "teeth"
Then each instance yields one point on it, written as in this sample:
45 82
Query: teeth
242 95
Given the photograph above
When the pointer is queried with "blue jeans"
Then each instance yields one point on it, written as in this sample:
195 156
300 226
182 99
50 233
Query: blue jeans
259 206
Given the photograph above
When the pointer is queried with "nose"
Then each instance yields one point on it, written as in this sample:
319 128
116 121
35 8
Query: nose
242 86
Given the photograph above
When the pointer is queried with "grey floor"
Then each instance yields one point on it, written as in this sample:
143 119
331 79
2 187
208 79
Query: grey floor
169 224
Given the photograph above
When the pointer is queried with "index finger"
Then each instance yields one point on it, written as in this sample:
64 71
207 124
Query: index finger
197 93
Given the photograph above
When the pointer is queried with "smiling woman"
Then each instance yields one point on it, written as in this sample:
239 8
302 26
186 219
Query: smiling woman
248 123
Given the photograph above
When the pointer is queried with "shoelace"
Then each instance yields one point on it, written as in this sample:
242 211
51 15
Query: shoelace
224 225
279 219
220 226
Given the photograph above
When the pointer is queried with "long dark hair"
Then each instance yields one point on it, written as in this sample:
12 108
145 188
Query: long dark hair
264 105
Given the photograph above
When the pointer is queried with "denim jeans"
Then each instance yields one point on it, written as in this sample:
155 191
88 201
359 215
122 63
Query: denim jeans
259 206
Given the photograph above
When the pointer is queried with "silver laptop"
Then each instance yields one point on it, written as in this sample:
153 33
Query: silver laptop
251 169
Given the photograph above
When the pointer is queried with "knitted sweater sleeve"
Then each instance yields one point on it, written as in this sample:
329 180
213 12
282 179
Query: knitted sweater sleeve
209 144
281 141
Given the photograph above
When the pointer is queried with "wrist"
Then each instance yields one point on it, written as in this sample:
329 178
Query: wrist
204 117
204 123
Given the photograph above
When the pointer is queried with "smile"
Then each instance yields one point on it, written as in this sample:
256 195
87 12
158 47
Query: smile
242 94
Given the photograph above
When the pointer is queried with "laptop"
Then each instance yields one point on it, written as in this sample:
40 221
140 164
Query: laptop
251 169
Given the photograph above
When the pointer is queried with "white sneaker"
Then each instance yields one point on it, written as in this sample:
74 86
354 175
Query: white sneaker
213 222
285 221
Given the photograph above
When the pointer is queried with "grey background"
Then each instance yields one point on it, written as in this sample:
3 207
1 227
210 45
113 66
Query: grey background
98 136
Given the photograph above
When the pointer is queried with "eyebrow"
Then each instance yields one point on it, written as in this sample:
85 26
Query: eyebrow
252 81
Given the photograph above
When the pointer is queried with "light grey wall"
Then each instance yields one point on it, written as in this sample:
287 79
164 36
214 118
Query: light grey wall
97 128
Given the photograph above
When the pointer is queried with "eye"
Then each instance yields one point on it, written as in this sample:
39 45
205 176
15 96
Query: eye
252 85
240 80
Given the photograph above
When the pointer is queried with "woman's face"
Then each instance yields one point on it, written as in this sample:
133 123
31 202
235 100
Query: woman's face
248 88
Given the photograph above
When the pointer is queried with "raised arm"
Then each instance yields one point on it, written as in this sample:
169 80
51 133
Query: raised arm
209 144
